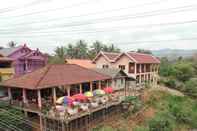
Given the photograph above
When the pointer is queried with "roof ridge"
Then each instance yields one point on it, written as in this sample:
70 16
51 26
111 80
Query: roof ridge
88 69
48 67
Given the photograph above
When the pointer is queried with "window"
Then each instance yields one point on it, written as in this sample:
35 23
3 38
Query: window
122 81
122 67
105 66
1 79
131 67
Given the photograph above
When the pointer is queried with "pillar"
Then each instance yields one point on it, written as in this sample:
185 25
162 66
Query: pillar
9 93
26 65
54 95
99 85
25 101
140 77
80 88
91 89
41 123
39 99
68 90
135 68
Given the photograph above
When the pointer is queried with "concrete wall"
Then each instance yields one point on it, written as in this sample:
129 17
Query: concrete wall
102 61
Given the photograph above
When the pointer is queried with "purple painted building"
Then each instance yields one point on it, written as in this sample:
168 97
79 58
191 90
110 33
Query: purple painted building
25 59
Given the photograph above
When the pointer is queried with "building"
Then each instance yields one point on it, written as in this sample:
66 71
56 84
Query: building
24 59
82 62
52 81
120 79
6 70
143 67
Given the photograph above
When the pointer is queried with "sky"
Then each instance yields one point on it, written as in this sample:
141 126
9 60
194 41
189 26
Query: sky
128 24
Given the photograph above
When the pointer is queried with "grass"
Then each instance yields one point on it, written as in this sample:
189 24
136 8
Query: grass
172 113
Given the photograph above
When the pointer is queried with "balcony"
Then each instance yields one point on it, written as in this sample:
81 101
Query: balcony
7 70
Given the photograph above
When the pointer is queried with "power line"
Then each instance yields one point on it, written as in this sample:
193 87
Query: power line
9 9
50 10
155 41
126 17
16 117
94 13
110 29
9 125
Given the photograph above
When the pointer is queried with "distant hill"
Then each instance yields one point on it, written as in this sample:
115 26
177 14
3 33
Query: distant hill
174 53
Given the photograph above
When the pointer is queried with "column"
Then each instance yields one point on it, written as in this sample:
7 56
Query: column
68 90
91 89
140 77
54 95
99 85
26 65
135 68
39 99
25 101
41 123
9 93
80 88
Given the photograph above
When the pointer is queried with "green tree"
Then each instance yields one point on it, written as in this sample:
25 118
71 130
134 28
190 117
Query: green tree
81 50
144 51
191 87
184 71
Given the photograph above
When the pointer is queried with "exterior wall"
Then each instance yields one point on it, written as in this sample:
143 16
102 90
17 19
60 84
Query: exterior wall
124 60
118 83
102 61
24 65
6 73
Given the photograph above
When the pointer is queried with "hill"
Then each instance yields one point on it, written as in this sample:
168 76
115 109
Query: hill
174 53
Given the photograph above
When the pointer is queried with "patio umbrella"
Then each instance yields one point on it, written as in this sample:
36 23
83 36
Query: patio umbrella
108 90
88 94
99 92
80 97
68 100
60 100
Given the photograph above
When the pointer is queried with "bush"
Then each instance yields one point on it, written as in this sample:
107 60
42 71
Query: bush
171 83
159 125
191 87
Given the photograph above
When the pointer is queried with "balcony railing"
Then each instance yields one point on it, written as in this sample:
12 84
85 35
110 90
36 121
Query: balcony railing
7 70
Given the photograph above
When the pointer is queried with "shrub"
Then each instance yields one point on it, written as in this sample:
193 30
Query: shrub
159 125
191 87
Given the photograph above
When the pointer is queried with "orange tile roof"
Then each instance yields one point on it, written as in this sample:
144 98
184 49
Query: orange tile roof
137 57
82 62
55 75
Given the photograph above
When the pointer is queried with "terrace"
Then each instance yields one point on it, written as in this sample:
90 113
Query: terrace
39 90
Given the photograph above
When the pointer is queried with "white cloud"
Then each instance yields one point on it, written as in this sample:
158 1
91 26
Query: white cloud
23 24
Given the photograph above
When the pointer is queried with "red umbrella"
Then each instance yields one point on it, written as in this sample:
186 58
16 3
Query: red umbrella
108 90
80 97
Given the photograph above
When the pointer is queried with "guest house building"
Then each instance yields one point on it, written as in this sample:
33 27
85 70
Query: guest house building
24 59
6 70
143 67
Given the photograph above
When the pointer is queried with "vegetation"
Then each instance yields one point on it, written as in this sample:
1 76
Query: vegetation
171 113
180 74
80 50
12 119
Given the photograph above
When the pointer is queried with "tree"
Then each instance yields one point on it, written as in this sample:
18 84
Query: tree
11 44
191 87
81 49
166 68
183 71
59 56
60 52
70 51
96 47
144 51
